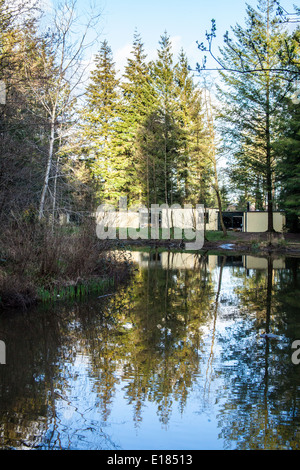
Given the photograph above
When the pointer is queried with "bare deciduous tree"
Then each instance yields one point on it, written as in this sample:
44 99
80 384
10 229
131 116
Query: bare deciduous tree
64 65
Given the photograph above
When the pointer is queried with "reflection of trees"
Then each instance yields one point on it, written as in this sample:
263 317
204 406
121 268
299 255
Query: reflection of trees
156 337
287 296
27 381
256 295
40 346
263 412
148 339
214 327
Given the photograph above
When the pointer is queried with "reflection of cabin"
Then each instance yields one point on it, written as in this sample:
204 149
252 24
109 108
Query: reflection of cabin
191 261
230 261
252 262
171 260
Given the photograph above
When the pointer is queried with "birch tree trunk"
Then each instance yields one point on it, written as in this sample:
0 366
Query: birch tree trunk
48 169
64 68
214 159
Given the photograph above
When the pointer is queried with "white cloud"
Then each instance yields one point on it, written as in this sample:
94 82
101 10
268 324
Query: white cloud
176 42
120 57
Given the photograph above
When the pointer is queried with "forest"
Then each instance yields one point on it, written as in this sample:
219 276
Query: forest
74 136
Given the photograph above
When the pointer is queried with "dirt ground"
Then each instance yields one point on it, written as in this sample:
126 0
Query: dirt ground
241 242
249 236
284 244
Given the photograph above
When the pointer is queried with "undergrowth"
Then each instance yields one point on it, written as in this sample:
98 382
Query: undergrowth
39 264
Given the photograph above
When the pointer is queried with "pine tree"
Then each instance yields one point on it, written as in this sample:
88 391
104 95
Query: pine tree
288 146
168 131
253 101
137 101
99 117
200 182
193 164
186 97
288 166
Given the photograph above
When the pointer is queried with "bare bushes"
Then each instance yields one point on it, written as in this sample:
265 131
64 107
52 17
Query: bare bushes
14 293
32 255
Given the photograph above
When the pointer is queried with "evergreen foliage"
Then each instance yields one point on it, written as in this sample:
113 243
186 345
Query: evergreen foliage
157 146
253 102
148 134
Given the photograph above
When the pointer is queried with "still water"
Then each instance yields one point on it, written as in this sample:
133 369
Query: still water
174 360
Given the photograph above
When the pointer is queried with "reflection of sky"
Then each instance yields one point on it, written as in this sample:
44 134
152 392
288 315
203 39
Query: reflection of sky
226 380
194 427
79 423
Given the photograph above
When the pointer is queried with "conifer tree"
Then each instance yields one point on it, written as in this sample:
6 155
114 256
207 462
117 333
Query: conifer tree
288 166
185 92
253 101
288 144
200 171
137 101
99 118
167 129
193 165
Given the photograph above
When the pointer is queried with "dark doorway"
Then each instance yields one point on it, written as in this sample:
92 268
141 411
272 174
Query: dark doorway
237 222
232 221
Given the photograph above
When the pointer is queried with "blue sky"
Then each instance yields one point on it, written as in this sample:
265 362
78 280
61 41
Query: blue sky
185 21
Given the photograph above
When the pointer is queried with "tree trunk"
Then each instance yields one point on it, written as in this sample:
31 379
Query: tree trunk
54 193
268 140
148 185
218 195
214 161
48 169
269 171
166 163
220 210
204 222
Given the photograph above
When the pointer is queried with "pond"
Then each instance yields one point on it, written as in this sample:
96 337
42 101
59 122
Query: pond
173 360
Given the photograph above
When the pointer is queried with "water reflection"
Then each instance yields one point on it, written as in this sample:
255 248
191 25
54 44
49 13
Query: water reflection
174 360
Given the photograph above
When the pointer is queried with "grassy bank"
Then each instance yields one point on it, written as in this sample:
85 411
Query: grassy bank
236 242
39 265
